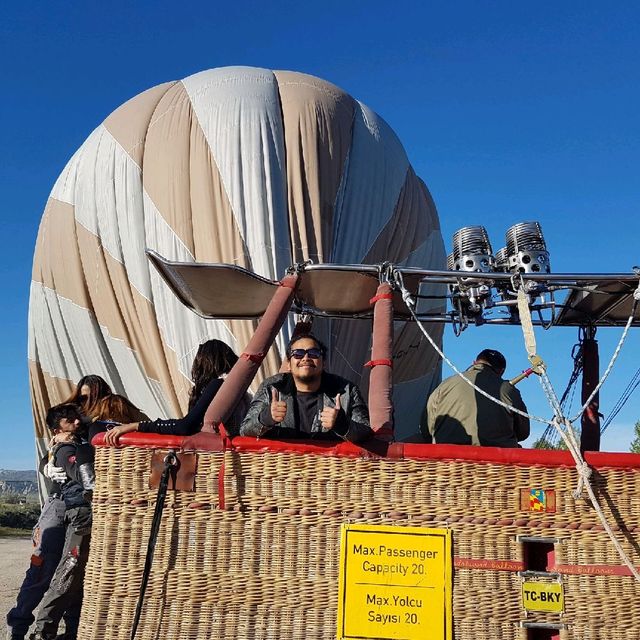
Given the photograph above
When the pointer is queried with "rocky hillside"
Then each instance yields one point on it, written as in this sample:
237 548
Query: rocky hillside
17 483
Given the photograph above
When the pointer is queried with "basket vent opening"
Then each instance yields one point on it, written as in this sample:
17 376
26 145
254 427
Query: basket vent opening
543 634
538 555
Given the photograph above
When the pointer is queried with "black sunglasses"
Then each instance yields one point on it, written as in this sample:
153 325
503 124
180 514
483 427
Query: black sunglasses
298 354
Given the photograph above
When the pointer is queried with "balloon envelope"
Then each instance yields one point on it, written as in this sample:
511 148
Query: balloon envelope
240 165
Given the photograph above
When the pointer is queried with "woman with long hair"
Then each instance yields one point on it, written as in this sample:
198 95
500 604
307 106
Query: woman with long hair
99 405
213 361
116 408
112 410
88 392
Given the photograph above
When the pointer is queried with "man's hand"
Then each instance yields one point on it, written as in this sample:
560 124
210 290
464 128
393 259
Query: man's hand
329 415
113 435
278 407
55 474
62 436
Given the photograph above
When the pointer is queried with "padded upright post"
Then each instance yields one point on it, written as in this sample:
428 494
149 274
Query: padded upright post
243 372
381 363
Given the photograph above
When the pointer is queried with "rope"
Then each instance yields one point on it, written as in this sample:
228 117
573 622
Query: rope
626 394
576 355
170 461
559 421
406 297
621 552
526 323
568 434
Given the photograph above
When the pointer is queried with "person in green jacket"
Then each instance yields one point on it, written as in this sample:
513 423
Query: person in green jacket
458 414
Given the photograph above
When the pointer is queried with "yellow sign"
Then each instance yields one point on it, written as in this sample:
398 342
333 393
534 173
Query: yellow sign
543 596
395 583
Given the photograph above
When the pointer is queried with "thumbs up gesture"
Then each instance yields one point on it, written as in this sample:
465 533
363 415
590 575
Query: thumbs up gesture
278 407
329 415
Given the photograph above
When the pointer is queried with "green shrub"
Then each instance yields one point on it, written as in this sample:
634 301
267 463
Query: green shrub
16 516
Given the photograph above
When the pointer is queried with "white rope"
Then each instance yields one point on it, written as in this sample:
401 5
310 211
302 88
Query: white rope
621 552
406 296
584 480
567 433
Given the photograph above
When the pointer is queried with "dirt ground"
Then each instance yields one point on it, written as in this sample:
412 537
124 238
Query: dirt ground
15 555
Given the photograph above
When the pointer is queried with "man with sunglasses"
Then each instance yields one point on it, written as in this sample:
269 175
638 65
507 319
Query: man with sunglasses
307 401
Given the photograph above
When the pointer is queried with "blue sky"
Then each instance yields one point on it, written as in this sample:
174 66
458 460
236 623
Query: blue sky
508 111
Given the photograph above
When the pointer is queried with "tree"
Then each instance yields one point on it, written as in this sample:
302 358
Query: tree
635 443
543 443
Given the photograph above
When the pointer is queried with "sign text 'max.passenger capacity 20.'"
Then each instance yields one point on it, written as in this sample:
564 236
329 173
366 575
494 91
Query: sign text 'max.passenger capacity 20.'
395 583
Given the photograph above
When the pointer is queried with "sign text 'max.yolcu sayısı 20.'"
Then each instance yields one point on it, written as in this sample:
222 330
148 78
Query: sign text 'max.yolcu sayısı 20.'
395 583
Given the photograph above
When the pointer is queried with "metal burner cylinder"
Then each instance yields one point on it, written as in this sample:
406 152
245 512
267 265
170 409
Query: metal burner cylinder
502 259
527 249
472 250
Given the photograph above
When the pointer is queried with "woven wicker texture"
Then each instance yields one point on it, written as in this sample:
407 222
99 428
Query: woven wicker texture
267 566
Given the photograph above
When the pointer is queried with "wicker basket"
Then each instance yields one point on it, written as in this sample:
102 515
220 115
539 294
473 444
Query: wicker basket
266 566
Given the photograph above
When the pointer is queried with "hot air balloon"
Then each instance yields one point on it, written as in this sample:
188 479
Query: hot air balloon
239 165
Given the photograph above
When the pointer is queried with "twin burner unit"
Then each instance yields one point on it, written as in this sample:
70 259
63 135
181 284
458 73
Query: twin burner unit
525 253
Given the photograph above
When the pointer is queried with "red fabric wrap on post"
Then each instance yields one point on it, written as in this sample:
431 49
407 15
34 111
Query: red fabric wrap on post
222 504
243 372
254 357
381 378
289 282
381 296
376 363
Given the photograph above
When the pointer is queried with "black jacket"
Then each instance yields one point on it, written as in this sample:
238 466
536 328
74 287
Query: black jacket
192 422
353 424
77 460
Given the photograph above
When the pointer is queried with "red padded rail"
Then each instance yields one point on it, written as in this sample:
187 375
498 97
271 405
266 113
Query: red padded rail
378 448
142 440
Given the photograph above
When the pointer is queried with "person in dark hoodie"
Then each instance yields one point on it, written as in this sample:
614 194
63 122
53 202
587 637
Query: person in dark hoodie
48 540
75 455
49 532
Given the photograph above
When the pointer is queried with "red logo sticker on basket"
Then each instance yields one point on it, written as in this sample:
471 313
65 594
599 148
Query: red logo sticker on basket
540 500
